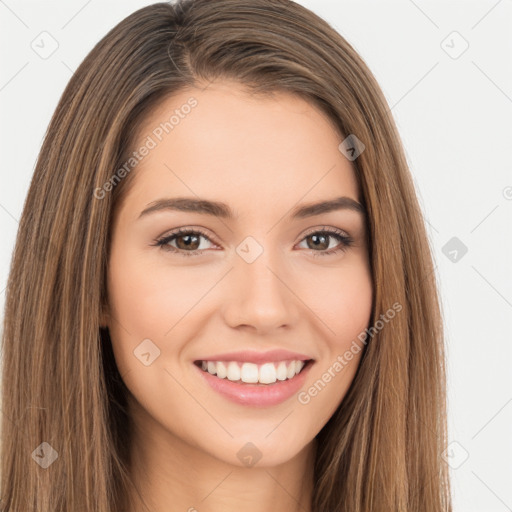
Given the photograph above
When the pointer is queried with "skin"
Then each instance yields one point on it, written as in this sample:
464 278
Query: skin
263 157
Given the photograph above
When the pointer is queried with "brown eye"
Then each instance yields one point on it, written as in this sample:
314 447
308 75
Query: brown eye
320 241
187 242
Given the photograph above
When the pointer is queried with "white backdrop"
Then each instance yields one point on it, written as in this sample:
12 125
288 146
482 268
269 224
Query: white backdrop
445 69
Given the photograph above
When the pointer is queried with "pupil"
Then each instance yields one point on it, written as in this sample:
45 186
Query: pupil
188 237
317 237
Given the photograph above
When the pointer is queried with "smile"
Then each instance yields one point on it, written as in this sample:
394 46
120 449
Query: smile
252 373
257 385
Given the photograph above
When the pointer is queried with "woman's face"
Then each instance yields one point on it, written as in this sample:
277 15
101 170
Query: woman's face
256 290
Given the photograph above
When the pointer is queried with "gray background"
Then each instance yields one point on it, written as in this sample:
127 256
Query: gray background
452 106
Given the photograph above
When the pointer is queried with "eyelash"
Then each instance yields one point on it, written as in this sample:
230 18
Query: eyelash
345 241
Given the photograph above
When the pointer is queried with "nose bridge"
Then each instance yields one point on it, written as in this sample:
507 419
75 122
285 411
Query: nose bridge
261 296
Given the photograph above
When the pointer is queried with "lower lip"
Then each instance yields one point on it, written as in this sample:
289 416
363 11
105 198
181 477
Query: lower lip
257 395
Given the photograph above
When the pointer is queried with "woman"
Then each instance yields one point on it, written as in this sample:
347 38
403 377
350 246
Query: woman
296 362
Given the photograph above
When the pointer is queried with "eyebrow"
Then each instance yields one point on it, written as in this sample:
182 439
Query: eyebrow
222 210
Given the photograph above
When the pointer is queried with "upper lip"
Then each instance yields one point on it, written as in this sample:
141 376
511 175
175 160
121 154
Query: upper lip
250 356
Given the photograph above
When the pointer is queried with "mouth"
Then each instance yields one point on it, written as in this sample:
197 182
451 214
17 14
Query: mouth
245 373
263 384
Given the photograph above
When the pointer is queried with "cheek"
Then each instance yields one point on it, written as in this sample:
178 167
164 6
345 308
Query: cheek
148 300
342 301
343 311
142 307
154 301
342 305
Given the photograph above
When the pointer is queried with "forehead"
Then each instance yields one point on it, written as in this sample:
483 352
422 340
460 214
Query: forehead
254 152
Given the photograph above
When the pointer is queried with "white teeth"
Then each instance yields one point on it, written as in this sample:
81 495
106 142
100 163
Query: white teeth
268 373
291 370
222 371
251 373
233 371
281 371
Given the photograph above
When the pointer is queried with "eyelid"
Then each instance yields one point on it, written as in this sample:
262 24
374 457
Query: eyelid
328 229
185 230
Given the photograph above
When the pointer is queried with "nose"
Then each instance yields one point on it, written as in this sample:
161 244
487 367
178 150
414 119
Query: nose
259 296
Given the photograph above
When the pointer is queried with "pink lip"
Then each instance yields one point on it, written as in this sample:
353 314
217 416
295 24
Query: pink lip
251 356
256 395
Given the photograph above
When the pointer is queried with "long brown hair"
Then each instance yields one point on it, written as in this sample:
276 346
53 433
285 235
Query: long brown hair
62 394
